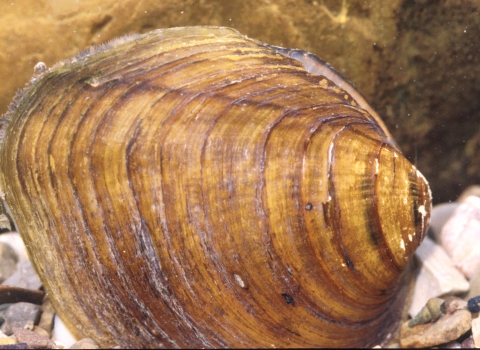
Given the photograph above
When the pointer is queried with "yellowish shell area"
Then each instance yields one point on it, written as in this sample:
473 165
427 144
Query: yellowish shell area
192 187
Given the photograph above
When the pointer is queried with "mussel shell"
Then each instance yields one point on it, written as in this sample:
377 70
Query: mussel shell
192 187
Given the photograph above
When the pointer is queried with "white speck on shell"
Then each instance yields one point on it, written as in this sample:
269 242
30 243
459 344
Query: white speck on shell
421 210
239 280
40 67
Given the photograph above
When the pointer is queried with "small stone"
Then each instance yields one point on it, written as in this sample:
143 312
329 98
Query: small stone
476 332
5 223
8 261
59 345
15 241
7 341
24 277
446 329
48 314
32 339
29 326
41 331
61 333
85 343
468 343
436 277
473 304
19 315
461 234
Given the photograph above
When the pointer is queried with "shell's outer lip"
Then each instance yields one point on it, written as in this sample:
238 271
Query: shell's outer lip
95 49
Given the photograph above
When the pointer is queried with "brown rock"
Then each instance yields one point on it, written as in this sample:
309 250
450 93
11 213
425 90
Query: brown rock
40 331
48 314
445 329
85 343
32 339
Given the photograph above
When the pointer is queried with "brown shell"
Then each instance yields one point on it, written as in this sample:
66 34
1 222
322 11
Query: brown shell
192 187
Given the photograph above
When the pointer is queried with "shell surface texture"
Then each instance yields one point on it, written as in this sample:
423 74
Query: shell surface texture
192 187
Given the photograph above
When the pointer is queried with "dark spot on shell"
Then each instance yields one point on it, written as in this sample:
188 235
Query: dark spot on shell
414 192
349 262
288 299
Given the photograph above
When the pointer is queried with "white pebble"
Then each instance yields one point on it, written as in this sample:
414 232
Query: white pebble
440 215
461 234
15 241
61 333
437 276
